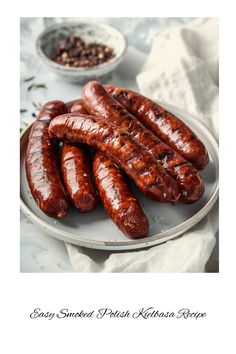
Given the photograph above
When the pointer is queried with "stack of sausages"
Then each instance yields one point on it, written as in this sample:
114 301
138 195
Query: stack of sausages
130 135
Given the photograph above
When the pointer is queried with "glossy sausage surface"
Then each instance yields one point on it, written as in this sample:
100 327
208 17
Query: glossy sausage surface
164 124
115 193
117 198
118 145
99 103
41 164
78 107
80 170
77 175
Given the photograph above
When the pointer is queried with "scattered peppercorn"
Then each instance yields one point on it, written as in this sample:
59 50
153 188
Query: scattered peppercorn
74 52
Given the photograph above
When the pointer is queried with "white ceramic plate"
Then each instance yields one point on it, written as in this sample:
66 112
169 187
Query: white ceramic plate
96 229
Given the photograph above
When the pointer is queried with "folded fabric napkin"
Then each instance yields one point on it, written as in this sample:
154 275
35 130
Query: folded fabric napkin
182 70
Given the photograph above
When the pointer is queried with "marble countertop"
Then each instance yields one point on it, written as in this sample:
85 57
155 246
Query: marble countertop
40 252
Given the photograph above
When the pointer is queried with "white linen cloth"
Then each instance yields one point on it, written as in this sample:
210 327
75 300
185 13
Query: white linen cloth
182 69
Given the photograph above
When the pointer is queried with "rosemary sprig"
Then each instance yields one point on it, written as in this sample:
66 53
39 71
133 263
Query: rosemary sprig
29 79
36 86
37 105
23 110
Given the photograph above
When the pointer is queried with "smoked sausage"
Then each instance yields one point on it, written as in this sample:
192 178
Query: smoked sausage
77 170
118 145
164 124
77 176
41 164
99 103
117 198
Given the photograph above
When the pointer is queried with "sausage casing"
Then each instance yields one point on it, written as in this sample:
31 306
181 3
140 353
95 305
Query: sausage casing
77 176
164 124
78 106
138 163
41 164
101 104
117 198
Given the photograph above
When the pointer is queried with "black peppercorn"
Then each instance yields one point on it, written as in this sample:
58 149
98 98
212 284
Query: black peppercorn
74 52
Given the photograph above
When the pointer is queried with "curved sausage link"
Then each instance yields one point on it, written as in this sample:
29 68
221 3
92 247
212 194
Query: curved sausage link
101 104
118 145
117 198
41 164
77 176
164 124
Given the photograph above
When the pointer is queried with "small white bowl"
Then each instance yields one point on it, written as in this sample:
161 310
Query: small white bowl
100 33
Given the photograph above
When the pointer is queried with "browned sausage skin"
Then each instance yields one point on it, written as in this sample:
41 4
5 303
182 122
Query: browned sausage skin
117 198
77 170
77 176
138 163
41 164
164 124
99 103
78 106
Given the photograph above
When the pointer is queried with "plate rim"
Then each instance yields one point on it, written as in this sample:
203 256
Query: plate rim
128 244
